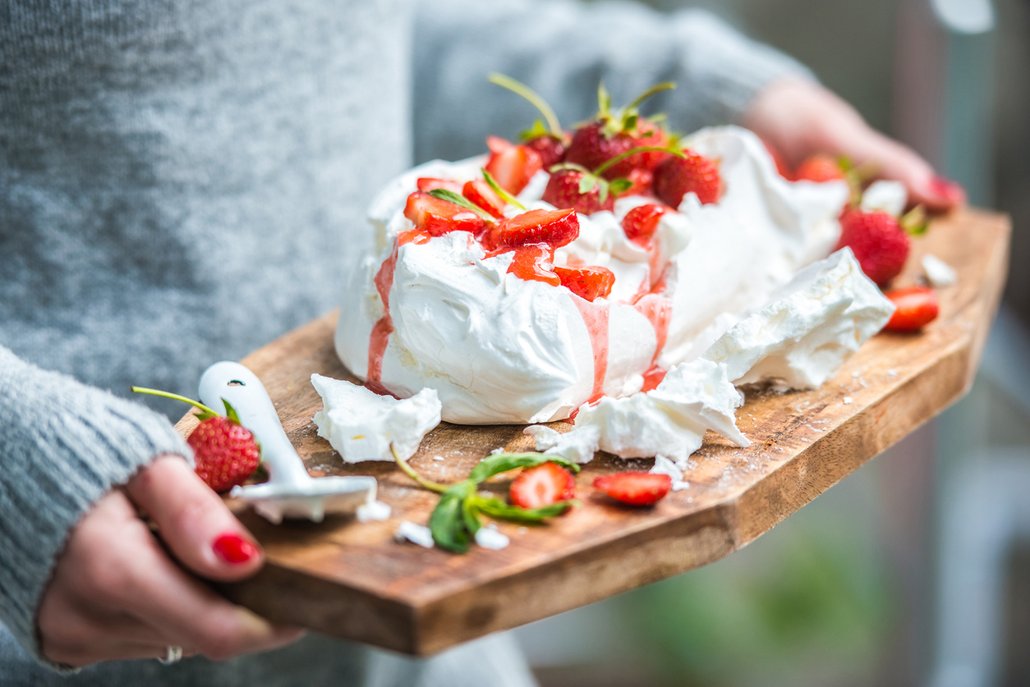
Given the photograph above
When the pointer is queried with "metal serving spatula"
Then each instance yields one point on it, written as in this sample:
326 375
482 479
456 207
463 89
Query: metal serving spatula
290 492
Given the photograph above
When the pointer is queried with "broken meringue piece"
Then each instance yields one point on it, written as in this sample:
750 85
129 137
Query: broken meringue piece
939 273
806 331
360 424
578 445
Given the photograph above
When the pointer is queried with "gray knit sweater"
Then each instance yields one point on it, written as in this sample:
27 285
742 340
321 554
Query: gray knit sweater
181 181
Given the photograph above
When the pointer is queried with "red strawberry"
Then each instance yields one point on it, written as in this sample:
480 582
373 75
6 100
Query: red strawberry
634 488
878 241
916 306
820 168
777 158
553 227
542 485
591 147
427 184
641 222
587 282
512 165
225 452
480 193
563 192
534 262
551 149
692 173
437 216
641 182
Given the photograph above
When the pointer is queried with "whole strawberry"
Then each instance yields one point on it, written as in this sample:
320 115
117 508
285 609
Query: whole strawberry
878 241
692 173
225 452
565 189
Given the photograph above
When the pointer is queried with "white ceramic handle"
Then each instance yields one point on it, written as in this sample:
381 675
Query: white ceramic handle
242 388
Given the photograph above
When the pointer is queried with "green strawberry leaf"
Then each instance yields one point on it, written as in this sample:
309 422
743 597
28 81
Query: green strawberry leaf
231 413
620 185
447 522
496 508
457 199
504 195
504 462
536 131
587 183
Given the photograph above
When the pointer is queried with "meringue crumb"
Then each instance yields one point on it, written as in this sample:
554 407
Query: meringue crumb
414 533
373 511
892 372
489 537
847 400
438 459
938 272
499 449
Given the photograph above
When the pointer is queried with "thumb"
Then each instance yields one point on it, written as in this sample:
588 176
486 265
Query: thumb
194 522
896 161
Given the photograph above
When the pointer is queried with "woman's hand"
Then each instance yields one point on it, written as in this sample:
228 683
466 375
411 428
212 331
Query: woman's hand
801 118
118 593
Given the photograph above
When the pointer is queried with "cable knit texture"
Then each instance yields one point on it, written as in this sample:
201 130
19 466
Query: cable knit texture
181 181
69 444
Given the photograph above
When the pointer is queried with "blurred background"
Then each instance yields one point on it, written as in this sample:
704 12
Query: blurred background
916 569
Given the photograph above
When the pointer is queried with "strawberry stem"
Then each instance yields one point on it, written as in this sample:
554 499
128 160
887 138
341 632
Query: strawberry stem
457 199
175 397
608 164
505 196
419 479
532 96
657 88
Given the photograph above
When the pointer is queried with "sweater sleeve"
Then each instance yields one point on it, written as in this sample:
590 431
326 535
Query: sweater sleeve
63 445
563 49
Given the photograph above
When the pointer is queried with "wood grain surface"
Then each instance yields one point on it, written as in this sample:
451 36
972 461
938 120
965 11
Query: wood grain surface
352 580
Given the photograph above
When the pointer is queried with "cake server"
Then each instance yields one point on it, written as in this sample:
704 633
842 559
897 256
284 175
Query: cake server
290 491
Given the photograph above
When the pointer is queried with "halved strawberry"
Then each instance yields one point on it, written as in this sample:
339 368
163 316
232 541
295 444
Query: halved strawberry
916 306
427 184
437 216
541 486
535 262
553 227
641 222
692 173
480 193
634 487
512 165
587 282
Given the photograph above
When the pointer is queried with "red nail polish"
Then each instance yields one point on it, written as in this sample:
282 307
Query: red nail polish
234 549
947 188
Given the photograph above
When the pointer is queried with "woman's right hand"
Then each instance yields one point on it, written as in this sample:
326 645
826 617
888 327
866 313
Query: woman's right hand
118 593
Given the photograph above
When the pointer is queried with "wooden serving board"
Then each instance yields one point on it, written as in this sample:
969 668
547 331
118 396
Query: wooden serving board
353 581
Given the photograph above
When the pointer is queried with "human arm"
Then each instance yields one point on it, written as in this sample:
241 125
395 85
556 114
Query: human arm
562 49
77 557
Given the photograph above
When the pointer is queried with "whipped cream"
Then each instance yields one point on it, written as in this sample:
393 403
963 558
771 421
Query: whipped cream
806 330
669 421
499 349
361 425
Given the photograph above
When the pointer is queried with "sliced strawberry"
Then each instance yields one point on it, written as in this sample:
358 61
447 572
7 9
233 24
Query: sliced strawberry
535 262
512 165
437 216
587 282
428 184
553 227
563 192
541 486
480 193
692 173
641 222
820 168
916 306
634 488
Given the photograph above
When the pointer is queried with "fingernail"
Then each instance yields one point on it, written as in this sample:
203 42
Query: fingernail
946 188
234 549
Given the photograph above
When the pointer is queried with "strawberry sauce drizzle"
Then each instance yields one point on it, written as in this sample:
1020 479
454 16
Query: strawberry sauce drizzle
383 327
595 317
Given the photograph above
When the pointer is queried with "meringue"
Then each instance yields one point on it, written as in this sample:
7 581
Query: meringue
803 334
361 425
939 273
